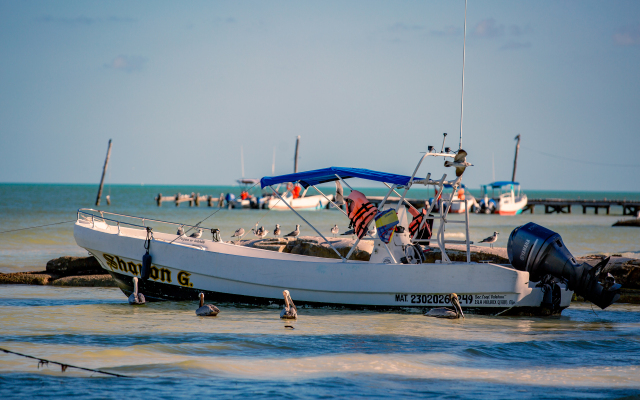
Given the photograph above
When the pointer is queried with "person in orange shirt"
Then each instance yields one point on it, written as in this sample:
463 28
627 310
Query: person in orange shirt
296 191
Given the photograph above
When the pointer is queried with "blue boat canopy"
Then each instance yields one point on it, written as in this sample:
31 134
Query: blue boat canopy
502 183
315 177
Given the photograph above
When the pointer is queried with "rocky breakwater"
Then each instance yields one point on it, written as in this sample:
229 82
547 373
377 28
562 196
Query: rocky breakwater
64 271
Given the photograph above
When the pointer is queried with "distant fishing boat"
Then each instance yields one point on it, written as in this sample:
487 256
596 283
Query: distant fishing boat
502 197
506 196
463 200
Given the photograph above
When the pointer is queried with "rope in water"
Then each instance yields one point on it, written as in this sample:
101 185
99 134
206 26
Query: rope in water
39 226
43 362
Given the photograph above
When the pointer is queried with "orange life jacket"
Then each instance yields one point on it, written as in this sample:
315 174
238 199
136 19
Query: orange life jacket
425 232
296 192
360 212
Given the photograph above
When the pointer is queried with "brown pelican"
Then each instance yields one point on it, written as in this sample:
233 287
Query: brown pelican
277 232
491 239
136 298
443 312
335 230
295 233
289 311
206 310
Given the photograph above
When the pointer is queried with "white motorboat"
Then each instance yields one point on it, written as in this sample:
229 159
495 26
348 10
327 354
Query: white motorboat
315 202
505 199
394 278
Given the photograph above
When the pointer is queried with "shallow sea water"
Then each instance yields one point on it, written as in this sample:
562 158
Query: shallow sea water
168 352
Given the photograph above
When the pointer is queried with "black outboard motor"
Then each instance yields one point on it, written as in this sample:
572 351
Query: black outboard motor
541 251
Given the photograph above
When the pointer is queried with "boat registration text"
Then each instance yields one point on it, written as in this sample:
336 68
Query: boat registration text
465 299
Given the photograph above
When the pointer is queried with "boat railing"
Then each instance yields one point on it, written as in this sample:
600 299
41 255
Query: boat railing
89 214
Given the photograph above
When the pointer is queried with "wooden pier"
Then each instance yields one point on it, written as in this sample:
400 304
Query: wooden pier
194 199
629 207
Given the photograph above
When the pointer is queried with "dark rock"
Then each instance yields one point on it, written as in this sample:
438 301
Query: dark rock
27 278
74 266
628 222
103 280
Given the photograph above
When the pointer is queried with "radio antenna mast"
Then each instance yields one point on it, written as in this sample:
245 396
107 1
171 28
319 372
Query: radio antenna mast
464 45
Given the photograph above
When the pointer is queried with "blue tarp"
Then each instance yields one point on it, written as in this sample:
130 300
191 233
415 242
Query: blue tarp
502 183
318 176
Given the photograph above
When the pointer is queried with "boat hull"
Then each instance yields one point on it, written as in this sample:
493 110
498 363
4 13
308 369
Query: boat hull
229 273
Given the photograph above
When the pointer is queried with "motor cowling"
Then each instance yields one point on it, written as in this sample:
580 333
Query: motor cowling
540 251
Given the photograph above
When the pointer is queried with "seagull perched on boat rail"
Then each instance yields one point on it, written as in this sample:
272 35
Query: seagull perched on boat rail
295 233
180 230
206 310
238 234
197 234
459 161
289 311
277 231
136 298
443 312
491 239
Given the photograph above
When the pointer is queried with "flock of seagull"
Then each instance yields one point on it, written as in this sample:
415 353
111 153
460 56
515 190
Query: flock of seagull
291 312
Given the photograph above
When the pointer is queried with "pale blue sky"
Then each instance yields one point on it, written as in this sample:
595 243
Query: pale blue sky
180 86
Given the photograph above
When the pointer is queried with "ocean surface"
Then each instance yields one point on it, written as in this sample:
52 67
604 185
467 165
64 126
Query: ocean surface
167 352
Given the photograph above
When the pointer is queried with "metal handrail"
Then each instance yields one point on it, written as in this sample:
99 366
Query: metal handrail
88 212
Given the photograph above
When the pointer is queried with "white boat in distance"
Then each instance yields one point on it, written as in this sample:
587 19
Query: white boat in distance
394 278
506 198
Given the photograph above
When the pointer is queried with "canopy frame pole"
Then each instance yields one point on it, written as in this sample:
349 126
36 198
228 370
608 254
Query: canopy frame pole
394 191
392 188
334 204
426 217
343 181
415 171
307 222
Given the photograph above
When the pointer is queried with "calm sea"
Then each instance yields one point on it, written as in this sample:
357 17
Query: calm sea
246 351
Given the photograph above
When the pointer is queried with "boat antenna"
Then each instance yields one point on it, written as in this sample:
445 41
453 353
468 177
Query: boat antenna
295 157
444 138
464 45
273 163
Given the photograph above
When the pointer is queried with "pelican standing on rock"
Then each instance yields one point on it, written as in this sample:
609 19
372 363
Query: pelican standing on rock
491 239
206 310
136 298
295 233
444 312
239 234
277 231
289 311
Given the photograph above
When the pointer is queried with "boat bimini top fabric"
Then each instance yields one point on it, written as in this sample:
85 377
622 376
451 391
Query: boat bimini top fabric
502 183
315 177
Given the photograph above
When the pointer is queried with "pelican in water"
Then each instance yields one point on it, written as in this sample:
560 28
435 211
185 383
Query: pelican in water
136 298
206 310
444 312
289 311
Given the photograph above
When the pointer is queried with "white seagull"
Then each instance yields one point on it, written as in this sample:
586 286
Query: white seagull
491 239
277 231
335 229
197 234
239 234
180 230
295 233
136 298
459 161
260 232
206 310
443 312
289 311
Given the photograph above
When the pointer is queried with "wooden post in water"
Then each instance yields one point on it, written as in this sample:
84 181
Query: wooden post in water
295 160
515 160
104 171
